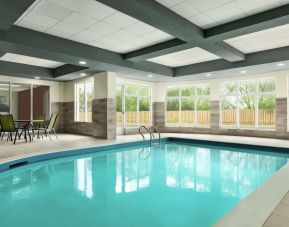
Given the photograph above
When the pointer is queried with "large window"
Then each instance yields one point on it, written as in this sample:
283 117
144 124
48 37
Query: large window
137 105
188 106
83 101
248 103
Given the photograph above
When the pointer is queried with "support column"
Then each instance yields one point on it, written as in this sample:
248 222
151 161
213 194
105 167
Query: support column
281 115
159 114
103 106
215 105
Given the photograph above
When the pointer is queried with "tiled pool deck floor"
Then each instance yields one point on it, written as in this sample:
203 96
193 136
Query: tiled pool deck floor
278 218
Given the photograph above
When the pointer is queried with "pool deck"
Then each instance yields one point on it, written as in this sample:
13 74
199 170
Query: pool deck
253 211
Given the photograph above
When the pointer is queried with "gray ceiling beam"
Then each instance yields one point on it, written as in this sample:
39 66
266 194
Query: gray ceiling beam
258 58
26 71
162 18
24 41
258 22
68 69
11 10
156 50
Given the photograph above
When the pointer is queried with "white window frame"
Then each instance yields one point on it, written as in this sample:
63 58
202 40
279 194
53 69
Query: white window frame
76 98
196 97
256 103
125 84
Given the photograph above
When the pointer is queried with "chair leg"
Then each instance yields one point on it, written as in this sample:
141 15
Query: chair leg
2 135
16 134
20 134
47 133
55 133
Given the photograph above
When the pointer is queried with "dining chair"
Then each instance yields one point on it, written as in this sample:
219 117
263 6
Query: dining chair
37 125
8 125
49 128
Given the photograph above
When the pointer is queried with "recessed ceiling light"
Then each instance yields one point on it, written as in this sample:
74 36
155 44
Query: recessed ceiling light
82 74
82 62
37 77
280 64
150 75
209 74
243 72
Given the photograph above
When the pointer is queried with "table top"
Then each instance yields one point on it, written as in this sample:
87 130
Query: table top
29 120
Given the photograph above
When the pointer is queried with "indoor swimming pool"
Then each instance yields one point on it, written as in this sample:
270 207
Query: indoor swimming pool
175 184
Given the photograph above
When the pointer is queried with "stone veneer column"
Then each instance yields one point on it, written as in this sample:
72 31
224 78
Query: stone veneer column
215 114
281 115
103 106
159 115
104 118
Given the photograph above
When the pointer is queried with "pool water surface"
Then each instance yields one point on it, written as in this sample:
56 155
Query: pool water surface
177 184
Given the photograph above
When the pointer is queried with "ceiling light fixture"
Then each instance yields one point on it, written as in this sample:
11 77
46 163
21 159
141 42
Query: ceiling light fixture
82 62
150 76
243 72
280 64
37 77
82 74
209 74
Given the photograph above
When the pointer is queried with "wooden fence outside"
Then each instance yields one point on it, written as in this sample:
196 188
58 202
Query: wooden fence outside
131 117
247 117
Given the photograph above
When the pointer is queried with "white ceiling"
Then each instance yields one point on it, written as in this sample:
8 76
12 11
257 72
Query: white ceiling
90 22
210 13
30 60
262 40
185 57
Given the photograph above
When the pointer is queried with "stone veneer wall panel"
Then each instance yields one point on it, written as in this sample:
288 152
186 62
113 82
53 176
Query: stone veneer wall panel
104 118
67 123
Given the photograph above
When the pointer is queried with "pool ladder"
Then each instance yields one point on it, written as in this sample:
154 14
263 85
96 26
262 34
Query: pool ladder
151 131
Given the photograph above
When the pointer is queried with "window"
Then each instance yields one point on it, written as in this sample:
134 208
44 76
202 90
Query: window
188 106
83 101
248 103
137 105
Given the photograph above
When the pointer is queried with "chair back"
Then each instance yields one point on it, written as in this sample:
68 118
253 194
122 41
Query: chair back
7 123
52 121
39 117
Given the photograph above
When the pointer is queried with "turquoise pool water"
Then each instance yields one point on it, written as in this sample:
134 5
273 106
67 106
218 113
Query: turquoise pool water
175 185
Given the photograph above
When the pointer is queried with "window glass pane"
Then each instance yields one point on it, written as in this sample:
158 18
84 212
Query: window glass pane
267 110
246 87
173 91
188 91
203 111
229 88
247 111
89 98
187 108
4 98
229 108
144 111
203 90
172 111
131 90
131 110
144 91
80 102
266 85
118 104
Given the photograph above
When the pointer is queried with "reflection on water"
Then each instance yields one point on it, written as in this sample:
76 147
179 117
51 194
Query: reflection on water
132 172
177 185
83 176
